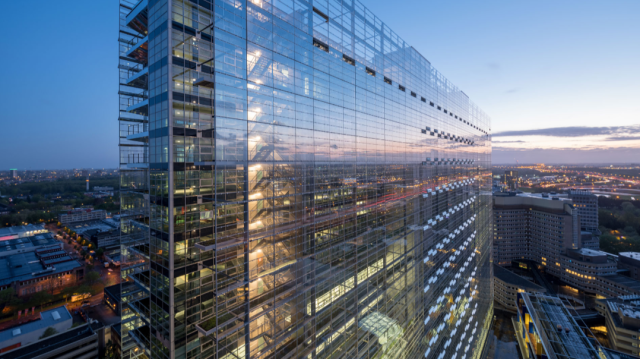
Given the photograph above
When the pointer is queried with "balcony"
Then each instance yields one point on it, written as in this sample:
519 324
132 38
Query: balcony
140 51
138 17
139 80
140 137
220 327
141 278
142 337
142 308
204 81
141 108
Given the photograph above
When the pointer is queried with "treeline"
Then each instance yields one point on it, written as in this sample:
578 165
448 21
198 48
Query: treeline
63 186
620 226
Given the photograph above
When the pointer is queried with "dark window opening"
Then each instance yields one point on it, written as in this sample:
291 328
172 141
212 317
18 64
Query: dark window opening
445 110
387 80
322 15
414 94
401 88
370 72
456 116
439 108
423 99
428 128
348 60
424 131
321 45
431 103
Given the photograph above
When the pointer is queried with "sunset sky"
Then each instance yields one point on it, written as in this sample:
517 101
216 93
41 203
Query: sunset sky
560 79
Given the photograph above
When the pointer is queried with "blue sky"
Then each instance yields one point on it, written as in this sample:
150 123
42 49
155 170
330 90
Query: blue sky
531 65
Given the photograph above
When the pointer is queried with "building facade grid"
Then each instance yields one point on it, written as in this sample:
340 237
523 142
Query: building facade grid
297 182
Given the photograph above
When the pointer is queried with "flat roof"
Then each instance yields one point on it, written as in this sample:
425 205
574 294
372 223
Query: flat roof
509 277
548 312
632 255
17 230
50 343
96 224
47 319
623 280
113 291
25 266
591 252
38 240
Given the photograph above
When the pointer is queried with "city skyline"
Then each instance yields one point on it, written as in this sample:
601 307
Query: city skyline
533 67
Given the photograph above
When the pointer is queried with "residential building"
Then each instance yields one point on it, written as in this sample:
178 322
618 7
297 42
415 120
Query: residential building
546 329
296 183
622 318
13 173
81 215
507 285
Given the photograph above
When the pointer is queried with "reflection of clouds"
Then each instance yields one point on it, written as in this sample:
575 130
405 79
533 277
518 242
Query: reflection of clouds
573 131
592 154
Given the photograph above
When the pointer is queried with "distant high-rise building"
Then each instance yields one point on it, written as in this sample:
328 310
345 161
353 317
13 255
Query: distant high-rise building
296 183
85 173
587 205
511 180
13 173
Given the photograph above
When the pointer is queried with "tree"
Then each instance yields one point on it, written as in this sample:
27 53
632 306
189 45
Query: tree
92 277
39 298
49 332
8 298
111 351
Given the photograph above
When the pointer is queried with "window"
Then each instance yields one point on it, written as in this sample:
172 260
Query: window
387 80
401 88
348 60
322 15
413 94
370 72
423 99
445 110
439 108
321 45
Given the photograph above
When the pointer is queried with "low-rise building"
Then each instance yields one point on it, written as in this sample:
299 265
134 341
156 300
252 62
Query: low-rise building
104 239
630 261
58 318
79 342
34 243
506 287
545 329
15 232
622 318
31 272
80 215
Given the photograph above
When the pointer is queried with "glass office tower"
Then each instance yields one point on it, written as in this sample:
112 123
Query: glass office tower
297 182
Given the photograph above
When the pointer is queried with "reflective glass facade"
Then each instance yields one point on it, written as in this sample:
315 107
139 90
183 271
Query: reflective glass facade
297 182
